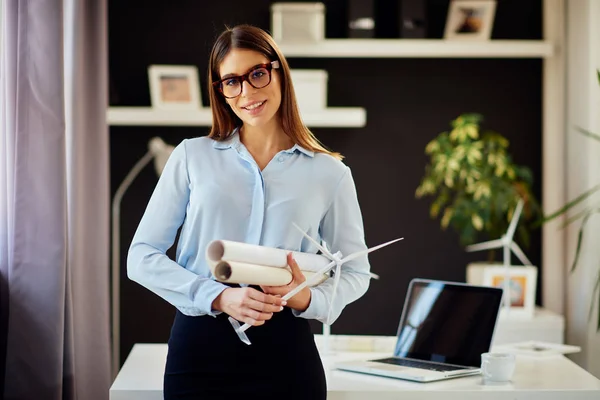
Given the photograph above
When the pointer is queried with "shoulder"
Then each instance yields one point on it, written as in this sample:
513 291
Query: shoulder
197 143
330 166
203 146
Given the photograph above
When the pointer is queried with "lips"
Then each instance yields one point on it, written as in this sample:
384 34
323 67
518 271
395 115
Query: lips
254 105
255 108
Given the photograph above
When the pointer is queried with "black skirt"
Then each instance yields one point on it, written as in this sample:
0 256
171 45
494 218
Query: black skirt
207 360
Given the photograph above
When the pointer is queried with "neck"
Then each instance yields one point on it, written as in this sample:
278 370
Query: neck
265 139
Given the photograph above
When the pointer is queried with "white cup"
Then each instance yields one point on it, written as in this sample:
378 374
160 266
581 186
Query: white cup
497 367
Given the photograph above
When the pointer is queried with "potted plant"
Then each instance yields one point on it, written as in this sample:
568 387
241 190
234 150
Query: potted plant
475 184
583 216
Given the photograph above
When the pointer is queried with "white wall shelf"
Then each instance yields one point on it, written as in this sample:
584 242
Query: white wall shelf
342 117
419 48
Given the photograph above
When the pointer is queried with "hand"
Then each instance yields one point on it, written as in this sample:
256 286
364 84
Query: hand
248 305
301 300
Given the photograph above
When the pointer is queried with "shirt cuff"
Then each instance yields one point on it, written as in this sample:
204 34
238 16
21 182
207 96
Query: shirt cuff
209 292
316 307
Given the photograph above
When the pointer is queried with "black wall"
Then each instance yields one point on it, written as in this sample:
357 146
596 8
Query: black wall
408 102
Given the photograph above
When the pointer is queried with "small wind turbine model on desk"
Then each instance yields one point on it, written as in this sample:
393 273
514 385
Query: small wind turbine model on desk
507 244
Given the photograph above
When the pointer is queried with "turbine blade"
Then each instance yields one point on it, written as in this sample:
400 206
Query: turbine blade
520 254
512 227
362 253
310 281
323 249
491 244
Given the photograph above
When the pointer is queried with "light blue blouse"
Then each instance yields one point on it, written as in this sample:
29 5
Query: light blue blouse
215 190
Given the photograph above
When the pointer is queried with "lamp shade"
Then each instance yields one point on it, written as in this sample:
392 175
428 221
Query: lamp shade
161 152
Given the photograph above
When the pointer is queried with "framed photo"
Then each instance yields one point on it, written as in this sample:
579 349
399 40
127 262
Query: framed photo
470 19
174 87
522 287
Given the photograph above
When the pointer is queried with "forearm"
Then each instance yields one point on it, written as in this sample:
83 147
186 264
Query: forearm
352 285
301 300
191 294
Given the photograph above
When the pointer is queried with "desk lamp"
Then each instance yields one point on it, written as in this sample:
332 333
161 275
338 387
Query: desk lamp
158 151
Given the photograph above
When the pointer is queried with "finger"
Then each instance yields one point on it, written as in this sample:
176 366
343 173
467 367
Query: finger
278 291
256 315
251 321
296 273
269 290
266 298
262 307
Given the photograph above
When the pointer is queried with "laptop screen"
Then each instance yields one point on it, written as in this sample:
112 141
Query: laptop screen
446 322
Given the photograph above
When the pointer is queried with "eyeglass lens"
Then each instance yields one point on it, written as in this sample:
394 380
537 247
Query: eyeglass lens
258 78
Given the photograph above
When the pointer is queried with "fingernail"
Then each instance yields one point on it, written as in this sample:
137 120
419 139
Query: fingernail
283 303
280 308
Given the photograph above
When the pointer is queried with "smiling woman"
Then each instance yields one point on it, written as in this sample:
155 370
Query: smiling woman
248 54
259 171
255 107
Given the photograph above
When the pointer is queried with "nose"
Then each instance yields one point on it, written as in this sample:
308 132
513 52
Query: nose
246 87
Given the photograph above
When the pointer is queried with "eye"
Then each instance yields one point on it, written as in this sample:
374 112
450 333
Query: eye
258 73
230 82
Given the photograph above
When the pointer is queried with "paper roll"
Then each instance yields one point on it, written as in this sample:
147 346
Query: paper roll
235 262
225 250
252 274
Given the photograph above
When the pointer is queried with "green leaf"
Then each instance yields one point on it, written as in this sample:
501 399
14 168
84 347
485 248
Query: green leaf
598 72
588 133
568 206
596 291
574 218
586 218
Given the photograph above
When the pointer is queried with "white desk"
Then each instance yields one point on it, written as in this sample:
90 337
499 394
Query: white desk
550 378
545 326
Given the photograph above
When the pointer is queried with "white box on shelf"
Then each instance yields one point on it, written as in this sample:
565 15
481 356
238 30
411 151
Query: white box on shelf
298 22
310 86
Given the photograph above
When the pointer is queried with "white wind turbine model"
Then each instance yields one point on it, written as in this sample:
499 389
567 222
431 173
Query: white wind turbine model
507 244
337 260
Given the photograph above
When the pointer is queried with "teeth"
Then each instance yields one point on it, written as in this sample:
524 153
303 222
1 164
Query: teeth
255 105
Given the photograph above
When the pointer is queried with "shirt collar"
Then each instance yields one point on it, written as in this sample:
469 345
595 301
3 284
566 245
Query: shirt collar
301 150
234 141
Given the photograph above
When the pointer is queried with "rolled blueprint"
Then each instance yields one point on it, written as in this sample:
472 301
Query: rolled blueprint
253 274
235 262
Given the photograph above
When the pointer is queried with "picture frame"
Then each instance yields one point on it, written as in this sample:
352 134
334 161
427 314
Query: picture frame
523 283
470 20
174 87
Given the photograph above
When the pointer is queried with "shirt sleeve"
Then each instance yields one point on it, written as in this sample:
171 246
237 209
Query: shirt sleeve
147 262
342 229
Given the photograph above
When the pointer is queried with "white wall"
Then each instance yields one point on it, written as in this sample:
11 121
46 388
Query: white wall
583 172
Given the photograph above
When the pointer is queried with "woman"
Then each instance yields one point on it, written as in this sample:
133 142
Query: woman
258 171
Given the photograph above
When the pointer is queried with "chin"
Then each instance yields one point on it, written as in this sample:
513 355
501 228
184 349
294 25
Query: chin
258 122
263 119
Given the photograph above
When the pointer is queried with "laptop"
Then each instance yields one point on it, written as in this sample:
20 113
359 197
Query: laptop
444 329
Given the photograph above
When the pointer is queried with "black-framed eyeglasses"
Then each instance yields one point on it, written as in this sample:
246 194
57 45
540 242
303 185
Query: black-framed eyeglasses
258 77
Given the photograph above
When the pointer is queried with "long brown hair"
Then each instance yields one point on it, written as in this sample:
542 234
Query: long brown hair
224 119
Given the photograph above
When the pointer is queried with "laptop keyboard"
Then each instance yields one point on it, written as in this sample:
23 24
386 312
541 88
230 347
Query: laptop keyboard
418 364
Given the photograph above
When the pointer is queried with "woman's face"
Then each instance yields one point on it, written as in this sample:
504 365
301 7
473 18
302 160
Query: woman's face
255 107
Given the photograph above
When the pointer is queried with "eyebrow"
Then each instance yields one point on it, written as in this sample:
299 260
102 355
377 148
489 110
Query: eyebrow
249 69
